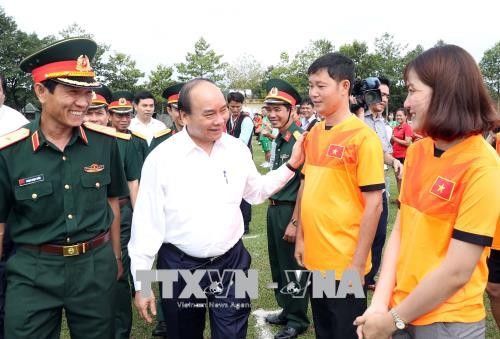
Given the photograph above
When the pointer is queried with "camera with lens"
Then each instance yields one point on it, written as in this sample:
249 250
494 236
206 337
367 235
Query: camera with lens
366 92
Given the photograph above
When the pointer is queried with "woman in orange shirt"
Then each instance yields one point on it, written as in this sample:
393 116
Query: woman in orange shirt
434 268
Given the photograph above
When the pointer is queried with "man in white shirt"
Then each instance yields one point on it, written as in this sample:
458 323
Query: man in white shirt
144 123
188 210
10 119
307 109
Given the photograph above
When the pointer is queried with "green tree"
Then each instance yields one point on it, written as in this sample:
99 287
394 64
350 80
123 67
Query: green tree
16 45
490 67
121 73
294 71
159 79
99 63
245 73
366 63
203 62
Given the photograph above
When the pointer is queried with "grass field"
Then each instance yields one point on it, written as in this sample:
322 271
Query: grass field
256 243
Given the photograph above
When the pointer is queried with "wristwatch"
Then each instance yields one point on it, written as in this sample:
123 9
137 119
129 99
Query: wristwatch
398 321
294 222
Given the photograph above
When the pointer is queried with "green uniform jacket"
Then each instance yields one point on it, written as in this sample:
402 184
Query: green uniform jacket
59 197
160 137
284 146
131 159
141 144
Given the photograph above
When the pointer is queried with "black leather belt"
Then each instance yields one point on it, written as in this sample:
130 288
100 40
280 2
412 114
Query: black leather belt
273 202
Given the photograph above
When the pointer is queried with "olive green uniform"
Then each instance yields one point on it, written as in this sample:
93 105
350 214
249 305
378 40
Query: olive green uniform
160 137
132 165
140 143
59 197
281 252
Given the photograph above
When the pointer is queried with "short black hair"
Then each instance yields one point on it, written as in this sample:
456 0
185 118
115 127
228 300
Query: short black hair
3 83
339 67
235 96
143 95
384 81
184 102
307 101
50 85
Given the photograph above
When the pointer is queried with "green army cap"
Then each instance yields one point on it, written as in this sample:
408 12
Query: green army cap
281 92
171 94
121 102
66 61
100 97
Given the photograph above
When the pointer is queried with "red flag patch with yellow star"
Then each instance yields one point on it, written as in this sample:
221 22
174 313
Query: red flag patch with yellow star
335 151
443 188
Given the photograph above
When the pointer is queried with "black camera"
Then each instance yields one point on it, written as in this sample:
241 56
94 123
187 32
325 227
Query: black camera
366 92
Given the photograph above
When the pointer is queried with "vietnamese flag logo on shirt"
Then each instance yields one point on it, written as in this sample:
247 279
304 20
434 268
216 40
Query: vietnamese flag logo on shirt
335 151
443 188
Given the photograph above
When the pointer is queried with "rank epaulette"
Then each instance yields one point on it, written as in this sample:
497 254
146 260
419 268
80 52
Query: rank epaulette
137 134
13 137
296 134
124 136
101 129
162 132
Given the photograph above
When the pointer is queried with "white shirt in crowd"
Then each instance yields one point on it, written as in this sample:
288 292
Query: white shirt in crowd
148 130
10 120
194 201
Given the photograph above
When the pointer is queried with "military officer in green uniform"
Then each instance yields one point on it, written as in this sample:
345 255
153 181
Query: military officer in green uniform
132 165
171 94
59 189
282 215
98 109
120 110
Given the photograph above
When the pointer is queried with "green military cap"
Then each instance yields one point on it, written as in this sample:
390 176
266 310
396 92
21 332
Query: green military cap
171 94
281 92
121 102
101 97
66 61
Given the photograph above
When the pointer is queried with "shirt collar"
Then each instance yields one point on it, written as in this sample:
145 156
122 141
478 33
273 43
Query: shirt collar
370 114
38 139
189 145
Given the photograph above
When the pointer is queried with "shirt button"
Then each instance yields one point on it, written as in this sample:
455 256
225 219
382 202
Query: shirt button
97 185
34 196
64 157
70 216
66 186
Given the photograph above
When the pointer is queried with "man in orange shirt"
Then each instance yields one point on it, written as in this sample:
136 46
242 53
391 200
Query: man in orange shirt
340 197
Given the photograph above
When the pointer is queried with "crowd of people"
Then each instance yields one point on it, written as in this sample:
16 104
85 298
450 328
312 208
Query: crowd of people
96 189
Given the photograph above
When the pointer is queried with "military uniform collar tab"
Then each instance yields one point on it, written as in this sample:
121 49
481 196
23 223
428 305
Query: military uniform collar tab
83 135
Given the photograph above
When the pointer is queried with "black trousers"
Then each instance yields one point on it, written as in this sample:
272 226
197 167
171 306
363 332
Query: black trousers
246 211
185 317
378 242
333 317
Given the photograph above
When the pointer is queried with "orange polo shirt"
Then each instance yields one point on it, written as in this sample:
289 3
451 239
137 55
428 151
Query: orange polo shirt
340 164
451 196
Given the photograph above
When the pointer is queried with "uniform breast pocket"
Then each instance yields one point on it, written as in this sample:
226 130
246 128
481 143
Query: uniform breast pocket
35 200
94 190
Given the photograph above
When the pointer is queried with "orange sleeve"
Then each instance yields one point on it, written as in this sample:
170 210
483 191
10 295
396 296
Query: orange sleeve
370 169
479 210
